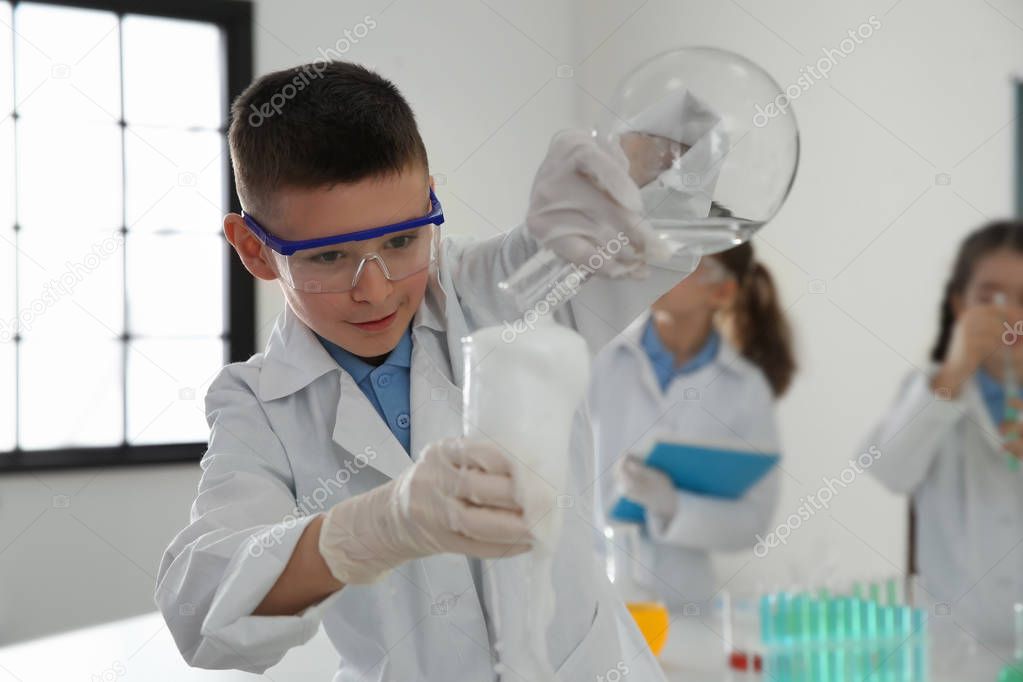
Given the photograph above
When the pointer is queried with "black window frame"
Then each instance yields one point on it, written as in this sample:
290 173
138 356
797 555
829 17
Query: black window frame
235 19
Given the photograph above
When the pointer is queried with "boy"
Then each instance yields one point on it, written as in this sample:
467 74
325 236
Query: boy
334 487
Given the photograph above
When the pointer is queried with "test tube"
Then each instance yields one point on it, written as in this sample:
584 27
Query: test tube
920 660
854 615
1011 387
767 629
890 643
837 615
805 629
819 623
782 639
870 648
907 643
892 589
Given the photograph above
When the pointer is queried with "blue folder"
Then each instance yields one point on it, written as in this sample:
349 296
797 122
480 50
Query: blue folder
700 469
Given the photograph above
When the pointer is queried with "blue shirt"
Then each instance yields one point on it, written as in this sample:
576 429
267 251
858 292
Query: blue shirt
663 360
386 386
993 393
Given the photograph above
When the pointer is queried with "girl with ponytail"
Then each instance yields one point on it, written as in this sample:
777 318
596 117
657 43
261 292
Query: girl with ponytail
705 366
951 439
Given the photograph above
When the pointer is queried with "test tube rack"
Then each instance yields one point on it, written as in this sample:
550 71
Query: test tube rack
852 638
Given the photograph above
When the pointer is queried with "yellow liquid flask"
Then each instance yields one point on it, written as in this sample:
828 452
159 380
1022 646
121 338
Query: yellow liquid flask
649 612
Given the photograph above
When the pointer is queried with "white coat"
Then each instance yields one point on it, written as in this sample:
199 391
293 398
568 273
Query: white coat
289 423
947 455
729 403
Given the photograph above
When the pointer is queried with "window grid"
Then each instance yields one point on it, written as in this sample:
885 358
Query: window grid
234 19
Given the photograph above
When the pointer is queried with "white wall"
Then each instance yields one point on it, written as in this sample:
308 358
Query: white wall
929 93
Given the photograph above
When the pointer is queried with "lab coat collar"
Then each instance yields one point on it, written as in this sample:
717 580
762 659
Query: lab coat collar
294 357
630 341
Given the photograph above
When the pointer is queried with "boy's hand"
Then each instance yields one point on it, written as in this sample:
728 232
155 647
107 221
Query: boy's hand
459 497
586 208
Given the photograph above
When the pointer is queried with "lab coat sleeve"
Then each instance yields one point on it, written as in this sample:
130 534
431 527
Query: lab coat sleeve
705 522
909 436
244 527
600 311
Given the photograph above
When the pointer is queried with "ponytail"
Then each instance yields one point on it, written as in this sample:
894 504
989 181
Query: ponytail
761 331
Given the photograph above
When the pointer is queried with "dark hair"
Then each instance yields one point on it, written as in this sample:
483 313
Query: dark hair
1005 234
762 332
317 125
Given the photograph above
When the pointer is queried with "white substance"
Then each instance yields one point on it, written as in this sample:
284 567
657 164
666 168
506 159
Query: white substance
522 393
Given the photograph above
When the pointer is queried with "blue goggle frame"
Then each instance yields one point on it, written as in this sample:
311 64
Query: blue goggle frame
287 247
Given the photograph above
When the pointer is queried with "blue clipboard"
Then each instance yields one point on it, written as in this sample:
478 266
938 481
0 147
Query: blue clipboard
701 469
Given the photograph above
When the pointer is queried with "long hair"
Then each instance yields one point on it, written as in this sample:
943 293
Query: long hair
762 333
995 236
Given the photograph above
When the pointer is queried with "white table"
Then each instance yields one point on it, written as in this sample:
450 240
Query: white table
140 649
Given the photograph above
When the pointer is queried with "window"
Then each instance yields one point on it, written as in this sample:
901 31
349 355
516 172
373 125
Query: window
119 298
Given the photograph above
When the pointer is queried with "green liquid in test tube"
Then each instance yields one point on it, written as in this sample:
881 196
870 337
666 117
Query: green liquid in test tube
870 648
854 630
890 644
819 621
837 610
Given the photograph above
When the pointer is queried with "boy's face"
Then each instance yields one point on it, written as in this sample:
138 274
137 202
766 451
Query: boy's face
370 319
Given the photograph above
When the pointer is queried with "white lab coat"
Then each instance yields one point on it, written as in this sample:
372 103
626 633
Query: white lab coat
947 455
729 403
286 422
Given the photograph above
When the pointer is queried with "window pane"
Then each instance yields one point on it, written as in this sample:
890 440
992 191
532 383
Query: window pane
71 393
8 292
69 177
70 285
172 73
6 173
176 285
68 63
167 381
174 181
7 395
6 67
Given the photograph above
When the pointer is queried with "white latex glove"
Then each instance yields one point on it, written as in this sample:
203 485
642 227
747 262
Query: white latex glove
686 163
459 497
586 208
647 486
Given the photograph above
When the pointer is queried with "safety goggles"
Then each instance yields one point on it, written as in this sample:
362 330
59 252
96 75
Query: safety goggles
335 264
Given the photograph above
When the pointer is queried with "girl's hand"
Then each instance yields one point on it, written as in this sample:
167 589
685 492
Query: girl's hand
978 333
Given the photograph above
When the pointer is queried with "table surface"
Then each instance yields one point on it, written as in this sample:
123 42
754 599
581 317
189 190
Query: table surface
141 649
